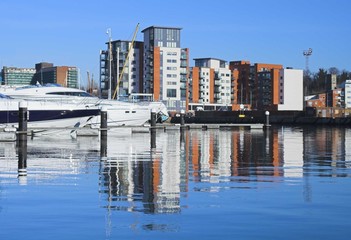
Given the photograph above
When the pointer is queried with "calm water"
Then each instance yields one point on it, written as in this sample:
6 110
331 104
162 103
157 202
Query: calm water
285 183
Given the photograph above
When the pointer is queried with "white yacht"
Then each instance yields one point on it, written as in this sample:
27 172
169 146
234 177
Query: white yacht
119 113
46 115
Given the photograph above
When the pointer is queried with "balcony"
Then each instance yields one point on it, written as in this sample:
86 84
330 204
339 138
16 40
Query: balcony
217 76
217 89
202 95
183 71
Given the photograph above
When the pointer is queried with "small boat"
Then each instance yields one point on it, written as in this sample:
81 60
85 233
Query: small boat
120 113
46 115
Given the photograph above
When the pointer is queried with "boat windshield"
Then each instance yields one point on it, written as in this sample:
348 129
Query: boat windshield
77 94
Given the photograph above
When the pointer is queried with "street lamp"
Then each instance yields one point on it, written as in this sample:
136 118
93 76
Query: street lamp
108 32
267 118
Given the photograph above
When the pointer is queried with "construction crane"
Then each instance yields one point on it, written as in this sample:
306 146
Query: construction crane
125 62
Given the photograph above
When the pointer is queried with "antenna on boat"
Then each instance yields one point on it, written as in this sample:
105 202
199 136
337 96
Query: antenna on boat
125 62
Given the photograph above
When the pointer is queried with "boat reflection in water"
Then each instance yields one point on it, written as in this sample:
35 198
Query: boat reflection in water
255 184
155 181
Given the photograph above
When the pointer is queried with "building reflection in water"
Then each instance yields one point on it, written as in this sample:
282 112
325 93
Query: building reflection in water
153 180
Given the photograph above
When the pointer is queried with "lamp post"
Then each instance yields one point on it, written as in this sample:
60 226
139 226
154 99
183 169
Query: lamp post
108 32
267 118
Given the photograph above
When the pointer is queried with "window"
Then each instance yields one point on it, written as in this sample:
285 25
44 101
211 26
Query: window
171 68
171 93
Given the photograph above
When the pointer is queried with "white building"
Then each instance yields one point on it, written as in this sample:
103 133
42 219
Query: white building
213 85
291 90
348 94
165 66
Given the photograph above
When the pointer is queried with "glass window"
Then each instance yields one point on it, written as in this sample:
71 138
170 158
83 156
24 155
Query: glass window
171 93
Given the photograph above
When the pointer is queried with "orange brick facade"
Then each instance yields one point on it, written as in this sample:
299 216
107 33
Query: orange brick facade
156 75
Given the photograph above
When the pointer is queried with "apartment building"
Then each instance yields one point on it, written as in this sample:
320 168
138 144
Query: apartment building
210 83
165 68
124 67
257 84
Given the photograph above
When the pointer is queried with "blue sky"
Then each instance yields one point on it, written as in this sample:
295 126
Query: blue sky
72 32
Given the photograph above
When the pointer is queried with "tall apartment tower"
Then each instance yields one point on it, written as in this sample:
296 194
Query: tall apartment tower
166 64
124 67
211 82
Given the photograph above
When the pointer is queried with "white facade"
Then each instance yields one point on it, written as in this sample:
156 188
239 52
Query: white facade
222 80
133 71
348 94
170 73
291 90
205 85
223 85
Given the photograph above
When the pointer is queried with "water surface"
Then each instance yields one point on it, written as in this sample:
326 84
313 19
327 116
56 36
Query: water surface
284 183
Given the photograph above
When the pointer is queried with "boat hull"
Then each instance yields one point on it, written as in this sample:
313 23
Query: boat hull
45 114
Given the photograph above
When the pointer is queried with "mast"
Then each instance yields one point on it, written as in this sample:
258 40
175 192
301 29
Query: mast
125 62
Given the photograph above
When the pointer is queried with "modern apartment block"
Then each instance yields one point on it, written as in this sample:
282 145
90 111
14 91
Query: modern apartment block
125 68
165 70
257 84
243 80
158 66
14 76
210 83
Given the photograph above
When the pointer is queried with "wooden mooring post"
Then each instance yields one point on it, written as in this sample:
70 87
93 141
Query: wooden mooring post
103 132
153 129
22 139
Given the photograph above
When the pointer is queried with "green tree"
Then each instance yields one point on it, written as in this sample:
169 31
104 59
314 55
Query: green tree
345 75
319 81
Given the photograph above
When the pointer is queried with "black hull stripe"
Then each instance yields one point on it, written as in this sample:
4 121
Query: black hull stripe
46 115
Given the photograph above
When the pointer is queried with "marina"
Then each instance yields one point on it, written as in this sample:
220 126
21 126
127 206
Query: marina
184 183
208 127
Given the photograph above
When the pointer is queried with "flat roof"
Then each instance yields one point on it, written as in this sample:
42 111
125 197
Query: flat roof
163 27
209 58
114 41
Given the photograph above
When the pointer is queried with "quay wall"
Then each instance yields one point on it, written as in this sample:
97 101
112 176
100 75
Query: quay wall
275 117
